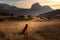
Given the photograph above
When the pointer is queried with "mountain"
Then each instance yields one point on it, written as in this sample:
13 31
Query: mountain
36 6
4 8
35 10
8 9
50 14
42 10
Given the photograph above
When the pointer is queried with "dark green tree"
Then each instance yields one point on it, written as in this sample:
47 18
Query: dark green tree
11 15
21 17
29 16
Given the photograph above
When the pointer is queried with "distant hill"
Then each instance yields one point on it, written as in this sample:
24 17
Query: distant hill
50 14
35 10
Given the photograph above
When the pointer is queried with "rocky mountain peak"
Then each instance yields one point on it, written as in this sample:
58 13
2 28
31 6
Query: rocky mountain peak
36 6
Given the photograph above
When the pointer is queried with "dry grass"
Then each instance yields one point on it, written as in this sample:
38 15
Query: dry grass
49 30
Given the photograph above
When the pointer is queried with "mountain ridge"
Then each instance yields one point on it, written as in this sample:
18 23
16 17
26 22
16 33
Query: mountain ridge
35 10
50 14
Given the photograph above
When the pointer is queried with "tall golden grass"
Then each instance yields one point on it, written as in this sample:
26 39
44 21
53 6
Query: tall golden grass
49 30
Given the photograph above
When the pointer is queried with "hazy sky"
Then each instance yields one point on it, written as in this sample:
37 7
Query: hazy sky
27 3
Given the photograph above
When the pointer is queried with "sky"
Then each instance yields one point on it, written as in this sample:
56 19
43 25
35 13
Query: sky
55 4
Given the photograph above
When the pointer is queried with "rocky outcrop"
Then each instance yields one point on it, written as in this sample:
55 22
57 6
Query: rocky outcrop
36 6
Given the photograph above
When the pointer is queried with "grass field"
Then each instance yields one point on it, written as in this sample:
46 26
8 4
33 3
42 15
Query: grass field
45 30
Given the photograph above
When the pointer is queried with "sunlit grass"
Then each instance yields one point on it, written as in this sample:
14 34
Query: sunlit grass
36 30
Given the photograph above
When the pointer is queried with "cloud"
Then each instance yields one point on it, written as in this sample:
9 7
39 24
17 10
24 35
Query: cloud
11 0
55 0
25 3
